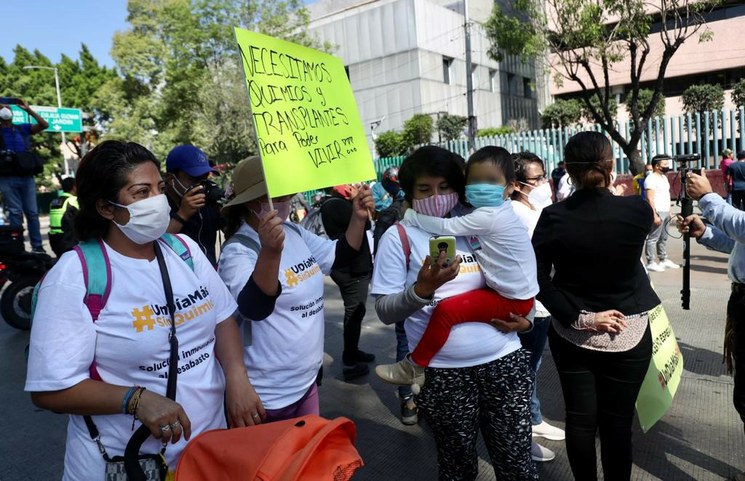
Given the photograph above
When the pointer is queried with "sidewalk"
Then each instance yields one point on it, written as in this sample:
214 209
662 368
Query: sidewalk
700 439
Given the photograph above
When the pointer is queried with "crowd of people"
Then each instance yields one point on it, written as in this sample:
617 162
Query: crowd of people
510 271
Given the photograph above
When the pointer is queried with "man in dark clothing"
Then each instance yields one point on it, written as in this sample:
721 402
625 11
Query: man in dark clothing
353 281
736 178
556 176
18 189
62 212
192 213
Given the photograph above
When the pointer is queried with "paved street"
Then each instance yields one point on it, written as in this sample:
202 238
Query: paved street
700 439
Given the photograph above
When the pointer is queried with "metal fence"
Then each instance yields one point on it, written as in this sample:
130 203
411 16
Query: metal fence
703 133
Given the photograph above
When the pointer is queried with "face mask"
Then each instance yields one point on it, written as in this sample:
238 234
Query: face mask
5 113
282 208
436 205
485 195
665 170
540 196
148 219
647 172
182 189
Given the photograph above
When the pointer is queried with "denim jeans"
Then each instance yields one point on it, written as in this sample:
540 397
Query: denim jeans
402 349
535 342
19 197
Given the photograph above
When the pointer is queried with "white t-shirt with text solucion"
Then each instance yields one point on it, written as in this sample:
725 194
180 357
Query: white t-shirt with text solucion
661 187
129 343
286 350
469 343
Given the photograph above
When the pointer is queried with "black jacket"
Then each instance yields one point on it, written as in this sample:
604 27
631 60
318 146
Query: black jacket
335 215
594 241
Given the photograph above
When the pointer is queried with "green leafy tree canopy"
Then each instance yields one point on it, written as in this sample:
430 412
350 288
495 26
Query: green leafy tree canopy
451 126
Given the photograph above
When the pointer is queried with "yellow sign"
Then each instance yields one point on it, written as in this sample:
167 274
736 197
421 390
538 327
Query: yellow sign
664 373
306 119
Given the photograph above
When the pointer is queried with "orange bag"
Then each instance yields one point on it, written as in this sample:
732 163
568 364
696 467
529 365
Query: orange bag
304 448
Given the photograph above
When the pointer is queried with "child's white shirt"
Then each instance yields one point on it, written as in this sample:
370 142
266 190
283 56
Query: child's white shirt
500 242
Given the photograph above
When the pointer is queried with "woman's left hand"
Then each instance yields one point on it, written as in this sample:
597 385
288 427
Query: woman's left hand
514 324
243 404
363 203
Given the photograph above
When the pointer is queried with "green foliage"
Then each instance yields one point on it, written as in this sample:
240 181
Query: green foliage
180 81
451 126
561 113
584 41
495 131
703 98
78 79
390 144
418 130
597 104
644 98
738 93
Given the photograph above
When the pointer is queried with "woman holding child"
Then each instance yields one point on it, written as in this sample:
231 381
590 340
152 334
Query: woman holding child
480 379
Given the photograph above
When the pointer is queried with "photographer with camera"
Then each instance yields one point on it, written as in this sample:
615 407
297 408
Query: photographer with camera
194 199
18 187
725 234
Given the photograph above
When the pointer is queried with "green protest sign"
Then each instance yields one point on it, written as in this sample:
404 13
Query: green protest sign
309 130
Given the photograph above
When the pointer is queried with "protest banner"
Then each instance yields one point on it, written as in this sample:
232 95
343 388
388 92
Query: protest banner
664 373
307 125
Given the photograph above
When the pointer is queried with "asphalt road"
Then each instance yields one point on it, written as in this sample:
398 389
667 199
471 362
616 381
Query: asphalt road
700 439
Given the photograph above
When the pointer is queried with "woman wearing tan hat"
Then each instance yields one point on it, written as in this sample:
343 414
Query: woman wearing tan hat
275 270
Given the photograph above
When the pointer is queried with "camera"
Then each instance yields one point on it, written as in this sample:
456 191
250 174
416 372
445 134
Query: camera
212 192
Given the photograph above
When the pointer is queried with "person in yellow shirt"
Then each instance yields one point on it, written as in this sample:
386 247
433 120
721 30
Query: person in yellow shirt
62 211
638 182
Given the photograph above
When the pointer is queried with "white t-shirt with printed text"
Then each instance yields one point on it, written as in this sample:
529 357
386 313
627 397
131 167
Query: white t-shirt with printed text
286 350
129 343
469 343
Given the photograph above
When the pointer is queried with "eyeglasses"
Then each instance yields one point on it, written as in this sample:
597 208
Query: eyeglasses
536 180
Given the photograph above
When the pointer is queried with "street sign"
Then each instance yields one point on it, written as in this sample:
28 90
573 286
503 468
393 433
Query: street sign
60 119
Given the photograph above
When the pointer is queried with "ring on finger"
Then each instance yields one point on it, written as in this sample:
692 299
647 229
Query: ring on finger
165 428
255 415
175 424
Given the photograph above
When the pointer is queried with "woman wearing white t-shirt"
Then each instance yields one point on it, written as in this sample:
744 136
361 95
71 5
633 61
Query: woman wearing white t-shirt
275 271
115 369
480 379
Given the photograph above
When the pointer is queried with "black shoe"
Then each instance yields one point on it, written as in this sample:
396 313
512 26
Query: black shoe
409 411
359 356
38 250
355 371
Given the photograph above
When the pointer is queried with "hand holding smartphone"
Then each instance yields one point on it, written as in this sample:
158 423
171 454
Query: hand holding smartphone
441 244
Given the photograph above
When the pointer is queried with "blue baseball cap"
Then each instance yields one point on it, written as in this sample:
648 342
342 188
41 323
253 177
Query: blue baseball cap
189 159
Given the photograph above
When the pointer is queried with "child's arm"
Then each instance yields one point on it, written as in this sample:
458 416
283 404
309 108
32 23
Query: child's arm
479 222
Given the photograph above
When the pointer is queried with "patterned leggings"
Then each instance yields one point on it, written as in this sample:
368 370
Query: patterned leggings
493 397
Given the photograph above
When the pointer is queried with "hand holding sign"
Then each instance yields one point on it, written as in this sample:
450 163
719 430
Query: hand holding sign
306 119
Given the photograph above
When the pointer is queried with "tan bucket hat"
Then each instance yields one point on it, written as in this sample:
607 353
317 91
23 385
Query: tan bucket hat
248 181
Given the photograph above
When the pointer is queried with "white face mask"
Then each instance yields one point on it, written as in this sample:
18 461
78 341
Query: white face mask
148 219
5 113
540 196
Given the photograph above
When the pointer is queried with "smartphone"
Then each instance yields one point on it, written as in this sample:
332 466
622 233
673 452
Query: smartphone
10 101
696 171
442 244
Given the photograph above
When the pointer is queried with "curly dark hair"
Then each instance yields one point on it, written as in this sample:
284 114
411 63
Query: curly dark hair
103 172
432 161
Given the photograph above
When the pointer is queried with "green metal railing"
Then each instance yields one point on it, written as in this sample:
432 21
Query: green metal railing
703 133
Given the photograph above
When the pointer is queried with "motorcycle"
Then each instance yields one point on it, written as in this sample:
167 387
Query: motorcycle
20 271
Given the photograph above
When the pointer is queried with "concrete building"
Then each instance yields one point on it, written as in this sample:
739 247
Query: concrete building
407 57
719 61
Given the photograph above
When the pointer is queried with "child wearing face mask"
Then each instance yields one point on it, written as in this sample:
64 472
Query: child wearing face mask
502 247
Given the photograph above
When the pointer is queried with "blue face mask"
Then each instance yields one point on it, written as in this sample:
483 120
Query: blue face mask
485 195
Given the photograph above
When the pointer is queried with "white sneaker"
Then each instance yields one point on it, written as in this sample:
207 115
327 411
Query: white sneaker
668 264
655 267
541 454
545 430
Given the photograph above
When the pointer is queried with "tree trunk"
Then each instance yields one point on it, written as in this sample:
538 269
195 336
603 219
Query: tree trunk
636 164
